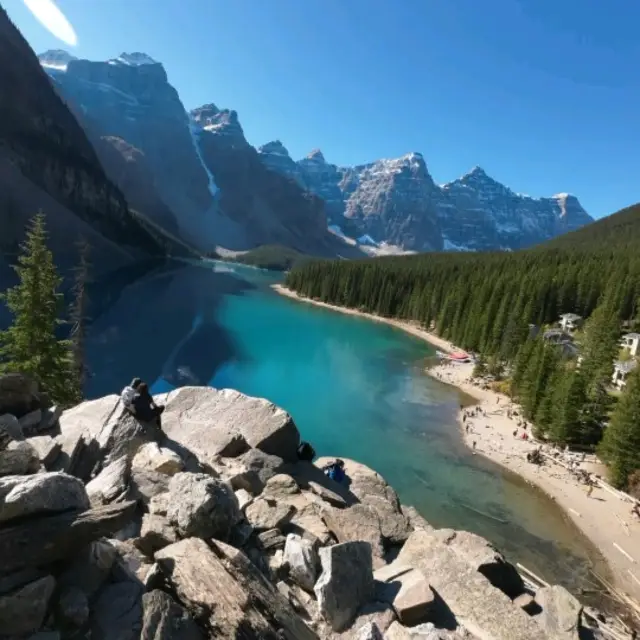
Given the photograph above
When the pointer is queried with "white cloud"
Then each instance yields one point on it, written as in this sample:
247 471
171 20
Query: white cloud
50 17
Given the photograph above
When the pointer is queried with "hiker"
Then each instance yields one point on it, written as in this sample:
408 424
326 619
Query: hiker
306 452
474 444
335 471
138 401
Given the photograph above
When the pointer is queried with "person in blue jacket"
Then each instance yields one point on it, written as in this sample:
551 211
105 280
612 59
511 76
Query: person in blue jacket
336 471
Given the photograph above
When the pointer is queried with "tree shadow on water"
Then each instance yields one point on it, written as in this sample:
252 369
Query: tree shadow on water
161 323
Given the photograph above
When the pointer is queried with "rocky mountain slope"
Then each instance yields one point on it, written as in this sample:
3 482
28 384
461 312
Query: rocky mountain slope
396 201
212 528
47 163
193 173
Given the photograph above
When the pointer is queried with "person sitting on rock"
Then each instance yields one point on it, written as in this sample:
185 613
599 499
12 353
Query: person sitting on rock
306 452
145 408
336 471
139 402
129 393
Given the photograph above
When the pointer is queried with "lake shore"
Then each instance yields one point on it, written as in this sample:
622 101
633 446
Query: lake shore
603 517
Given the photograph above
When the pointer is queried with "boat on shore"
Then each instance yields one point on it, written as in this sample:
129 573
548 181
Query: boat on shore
459 357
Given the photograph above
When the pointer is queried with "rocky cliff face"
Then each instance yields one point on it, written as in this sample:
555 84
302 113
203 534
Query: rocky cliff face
396 201
130 98
47 162
212 528
265 206
194 174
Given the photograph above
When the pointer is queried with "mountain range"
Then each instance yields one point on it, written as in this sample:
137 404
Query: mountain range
109 151
193 173
397 202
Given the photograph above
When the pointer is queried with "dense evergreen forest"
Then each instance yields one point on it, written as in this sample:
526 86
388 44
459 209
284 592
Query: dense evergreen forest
499 304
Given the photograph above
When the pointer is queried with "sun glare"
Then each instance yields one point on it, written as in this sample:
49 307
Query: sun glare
50 17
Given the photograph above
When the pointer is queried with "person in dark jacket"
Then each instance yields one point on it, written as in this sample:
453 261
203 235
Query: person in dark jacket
306 452
145 408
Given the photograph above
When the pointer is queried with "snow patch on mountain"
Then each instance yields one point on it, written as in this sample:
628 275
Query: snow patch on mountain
195 131
56 59
337 231
135 59
452 246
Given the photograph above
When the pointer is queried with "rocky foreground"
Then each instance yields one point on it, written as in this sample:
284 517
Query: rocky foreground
113 530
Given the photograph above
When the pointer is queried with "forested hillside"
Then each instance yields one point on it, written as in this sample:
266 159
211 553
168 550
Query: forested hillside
620 230
486 303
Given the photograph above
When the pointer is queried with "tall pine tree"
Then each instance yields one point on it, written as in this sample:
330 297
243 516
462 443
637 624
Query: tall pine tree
31 345
620 446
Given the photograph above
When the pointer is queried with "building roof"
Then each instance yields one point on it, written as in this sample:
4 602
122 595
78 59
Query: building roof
571 316
626 366
557 333
633 336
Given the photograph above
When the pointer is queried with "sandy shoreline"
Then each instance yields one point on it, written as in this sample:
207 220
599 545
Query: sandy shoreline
604 518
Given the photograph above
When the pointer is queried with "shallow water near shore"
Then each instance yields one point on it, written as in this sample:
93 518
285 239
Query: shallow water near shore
356 389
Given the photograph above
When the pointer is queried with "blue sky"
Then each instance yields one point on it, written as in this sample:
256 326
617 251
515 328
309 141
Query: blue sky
543 94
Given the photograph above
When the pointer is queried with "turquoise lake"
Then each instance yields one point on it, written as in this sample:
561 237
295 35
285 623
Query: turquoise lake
355 388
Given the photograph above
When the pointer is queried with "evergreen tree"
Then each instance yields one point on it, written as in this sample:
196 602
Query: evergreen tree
620 446
78 318
566 426
480 367
31 345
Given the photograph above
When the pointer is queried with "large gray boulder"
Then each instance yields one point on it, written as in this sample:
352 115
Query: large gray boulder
117 612
111 484
18 394
21 544
485 558
18 458
266 513
73 607
31 421
164 619
79 428
251 471
357 522
145 485
346 582
123 435
39 494
233 598
151 457
10 429
408 591
155 534
47 449
302 559
202 506
23 611
372 489
483 609
561 612
90 568
210 422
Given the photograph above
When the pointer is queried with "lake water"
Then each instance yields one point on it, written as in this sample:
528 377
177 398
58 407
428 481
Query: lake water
355 388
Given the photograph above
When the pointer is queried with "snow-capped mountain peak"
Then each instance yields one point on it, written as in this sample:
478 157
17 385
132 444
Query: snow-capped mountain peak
275 147
135 59
56 59
316 156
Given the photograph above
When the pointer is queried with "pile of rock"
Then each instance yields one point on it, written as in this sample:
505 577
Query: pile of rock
213 529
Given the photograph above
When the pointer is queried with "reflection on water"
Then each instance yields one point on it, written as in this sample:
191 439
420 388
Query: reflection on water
355 389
